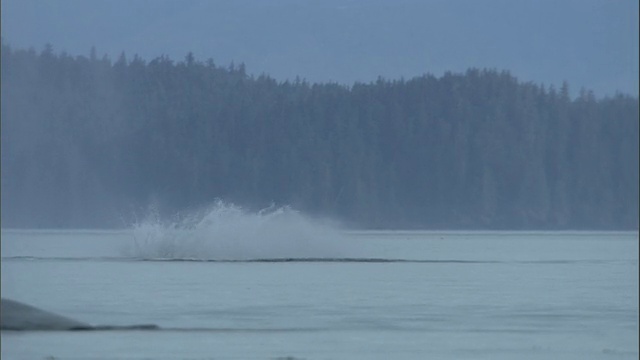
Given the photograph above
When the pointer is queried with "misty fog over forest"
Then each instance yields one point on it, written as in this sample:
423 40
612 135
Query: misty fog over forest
87 141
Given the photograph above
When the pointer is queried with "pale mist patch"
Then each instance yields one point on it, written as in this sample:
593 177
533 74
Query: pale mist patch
225 231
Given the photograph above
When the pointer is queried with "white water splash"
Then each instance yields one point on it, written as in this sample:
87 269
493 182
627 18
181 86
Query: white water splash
227 232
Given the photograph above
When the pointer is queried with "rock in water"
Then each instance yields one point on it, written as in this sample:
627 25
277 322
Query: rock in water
15 315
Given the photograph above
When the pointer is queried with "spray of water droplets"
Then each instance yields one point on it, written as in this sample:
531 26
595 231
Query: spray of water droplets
225 231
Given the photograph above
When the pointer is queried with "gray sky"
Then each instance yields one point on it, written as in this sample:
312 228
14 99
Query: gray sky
589 43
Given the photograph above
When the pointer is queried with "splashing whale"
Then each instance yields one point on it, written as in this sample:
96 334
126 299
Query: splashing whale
15 315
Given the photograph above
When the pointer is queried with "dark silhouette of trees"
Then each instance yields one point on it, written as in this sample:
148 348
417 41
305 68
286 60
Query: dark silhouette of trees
85 140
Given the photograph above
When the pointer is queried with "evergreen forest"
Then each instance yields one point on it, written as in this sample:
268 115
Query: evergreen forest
86 139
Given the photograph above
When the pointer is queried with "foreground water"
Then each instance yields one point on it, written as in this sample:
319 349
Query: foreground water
370 295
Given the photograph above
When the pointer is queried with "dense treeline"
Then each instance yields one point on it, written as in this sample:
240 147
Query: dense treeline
85 140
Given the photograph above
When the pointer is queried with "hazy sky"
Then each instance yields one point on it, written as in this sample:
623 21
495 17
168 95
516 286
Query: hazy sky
589 43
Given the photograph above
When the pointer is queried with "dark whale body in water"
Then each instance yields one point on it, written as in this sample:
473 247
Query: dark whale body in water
15 315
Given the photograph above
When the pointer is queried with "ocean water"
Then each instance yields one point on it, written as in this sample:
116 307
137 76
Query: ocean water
227 284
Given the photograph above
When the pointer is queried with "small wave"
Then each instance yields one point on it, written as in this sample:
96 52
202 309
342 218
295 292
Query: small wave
309 260
325 260
156 328
258 260
228 330
67 258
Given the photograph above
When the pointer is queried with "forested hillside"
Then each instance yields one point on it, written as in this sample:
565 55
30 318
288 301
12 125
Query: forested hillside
86 139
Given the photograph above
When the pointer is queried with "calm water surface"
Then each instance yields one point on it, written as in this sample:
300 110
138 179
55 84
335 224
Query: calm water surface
385 295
